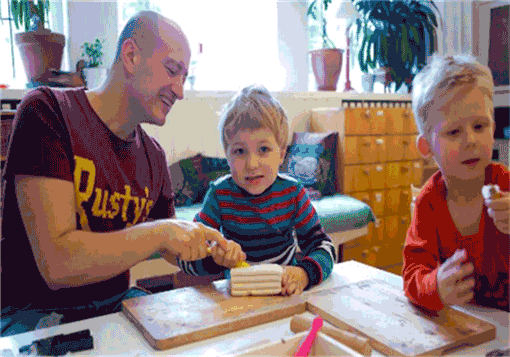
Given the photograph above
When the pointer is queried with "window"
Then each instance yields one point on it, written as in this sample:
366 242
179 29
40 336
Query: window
336 28
12 72
238 40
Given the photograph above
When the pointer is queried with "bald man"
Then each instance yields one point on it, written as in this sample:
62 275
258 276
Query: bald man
88 192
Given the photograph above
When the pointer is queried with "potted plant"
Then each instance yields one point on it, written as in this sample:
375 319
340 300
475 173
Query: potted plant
92 52
326 61
395 36
40 49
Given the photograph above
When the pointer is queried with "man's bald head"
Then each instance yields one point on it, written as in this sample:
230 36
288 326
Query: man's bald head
148 29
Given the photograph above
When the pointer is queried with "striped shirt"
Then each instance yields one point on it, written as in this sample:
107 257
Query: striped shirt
269 227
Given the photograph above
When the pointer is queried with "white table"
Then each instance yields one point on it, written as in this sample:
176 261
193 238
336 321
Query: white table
115 335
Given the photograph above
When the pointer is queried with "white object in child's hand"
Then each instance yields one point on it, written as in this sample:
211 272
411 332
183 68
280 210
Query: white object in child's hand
490 192
263 279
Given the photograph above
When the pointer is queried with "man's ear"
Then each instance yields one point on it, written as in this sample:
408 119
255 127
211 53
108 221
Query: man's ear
130 55
423 146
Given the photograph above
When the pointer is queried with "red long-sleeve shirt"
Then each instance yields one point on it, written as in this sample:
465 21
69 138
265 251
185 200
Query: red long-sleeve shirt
432 238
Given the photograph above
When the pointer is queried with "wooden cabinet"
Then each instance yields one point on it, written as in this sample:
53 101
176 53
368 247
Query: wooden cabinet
380 164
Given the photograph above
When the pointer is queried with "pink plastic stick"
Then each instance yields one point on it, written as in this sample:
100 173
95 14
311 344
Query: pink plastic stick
306 346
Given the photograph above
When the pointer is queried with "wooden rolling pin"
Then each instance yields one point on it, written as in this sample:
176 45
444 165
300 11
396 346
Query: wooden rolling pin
303 322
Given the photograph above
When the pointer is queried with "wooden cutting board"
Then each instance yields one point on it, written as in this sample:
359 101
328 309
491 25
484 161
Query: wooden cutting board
183 316
382 313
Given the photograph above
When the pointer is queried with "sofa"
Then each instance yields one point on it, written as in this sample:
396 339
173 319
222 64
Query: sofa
312 158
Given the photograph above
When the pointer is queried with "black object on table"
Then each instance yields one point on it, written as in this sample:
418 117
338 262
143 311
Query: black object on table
59 345
498 352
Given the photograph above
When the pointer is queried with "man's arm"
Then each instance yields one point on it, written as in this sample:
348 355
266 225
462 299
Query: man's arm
69 257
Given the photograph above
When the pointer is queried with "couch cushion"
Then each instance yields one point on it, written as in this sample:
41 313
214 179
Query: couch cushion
312 159
339 213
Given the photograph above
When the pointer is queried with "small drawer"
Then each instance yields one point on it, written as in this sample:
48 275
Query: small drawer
380 118
409 123
410 149
357 121
395 230
356 178
365 149
397 202
417 172
367 255
375 199
398 174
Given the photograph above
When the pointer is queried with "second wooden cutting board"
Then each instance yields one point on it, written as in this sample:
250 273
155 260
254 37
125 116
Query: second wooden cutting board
183 316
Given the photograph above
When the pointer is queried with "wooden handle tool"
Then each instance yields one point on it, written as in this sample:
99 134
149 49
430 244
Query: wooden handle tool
302 322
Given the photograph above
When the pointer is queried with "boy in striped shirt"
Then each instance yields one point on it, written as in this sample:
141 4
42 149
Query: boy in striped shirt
266 215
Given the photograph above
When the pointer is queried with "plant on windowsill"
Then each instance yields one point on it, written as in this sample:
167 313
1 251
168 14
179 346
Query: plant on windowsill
395 36
40 49
326 61
92 53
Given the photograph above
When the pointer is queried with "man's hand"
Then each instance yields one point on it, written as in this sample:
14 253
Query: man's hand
453 284
189 240
294 280
229 257
499 210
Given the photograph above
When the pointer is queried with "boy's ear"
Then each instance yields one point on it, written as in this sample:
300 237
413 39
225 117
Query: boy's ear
423 146
283 152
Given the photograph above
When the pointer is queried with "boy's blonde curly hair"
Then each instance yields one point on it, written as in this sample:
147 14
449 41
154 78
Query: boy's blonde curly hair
253 108
441 79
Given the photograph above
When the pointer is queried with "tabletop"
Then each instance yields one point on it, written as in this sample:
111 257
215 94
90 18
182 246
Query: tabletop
115 335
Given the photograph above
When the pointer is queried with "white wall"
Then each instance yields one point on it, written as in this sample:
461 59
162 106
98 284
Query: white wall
88 20
293 44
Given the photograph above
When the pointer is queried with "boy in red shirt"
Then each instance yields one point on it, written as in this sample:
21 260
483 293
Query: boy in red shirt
457 247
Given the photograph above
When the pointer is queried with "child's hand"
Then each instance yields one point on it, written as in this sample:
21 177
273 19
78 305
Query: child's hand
294 280
499 210
230 257
453 284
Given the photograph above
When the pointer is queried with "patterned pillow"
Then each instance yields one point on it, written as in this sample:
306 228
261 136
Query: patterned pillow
212 168
312 159
186 180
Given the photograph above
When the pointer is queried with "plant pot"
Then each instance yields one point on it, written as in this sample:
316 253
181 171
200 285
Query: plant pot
94 76
40 51
368 81
327 65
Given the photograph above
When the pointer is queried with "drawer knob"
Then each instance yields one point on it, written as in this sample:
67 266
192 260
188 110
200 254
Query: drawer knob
407 114
367 114
404 169
379 141
366 172
405 142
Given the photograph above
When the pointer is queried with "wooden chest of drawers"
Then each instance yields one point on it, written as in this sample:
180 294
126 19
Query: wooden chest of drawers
378 163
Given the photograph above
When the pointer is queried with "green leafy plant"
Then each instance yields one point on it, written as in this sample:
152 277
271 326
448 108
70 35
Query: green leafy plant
317 11
395 34
92 52
23 12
